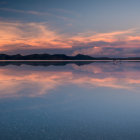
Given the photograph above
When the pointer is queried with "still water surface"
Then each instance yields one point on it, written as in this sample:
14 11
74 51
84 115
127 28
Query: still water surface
97 101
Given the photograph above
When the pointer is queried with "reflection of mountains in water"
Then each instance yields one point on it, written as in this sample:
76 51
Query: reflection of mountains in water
44 63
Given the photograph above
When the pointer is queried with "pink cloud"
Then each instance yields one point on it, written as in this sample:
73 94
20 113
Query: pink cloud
26 36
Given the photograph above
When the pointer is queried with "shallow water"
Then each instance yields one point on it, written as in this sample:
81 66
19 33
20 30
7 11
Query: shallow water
97 101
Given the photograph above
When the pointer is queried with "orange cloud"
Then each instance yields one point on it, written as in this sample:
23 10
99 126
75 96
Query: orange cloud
107 37
36 35
33 36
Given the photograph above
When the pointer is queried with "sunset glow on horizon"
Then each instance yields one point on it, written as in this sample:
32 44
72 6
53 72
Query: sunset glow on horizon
69 69
27 28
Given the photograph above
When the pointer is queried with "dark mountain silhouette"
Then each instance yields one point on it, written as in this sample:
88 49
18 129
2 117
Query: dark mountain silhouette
45 57
58 57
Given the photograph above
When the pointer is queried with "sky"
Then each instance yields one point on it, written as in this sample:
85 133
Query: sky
92 27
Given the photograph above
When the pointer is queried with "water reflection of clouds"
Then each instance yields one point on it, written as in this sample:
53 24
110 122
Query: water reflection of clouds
34 82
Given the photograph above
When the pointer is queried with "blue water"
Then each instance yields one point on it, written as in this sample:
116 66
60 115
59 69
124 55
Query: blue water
97 101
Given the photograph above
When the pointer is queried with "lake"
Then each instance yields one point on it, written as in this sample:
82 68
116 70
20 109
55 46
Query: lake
70 101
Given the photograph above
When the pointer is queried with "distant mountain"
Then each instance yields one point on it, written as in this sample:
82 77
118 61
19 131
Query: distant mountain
45 57
58 57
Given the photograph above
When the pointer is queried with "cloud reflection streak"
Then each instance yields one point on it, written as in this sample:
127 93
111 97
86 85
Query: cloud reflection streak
33 83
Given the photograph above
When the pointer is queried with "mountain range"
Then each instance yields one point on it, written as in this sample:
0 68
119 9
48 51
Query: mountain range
59 57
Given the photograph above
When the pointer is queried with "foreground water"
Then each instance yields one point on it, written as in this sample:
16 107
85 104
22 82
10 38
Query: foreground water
97 101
